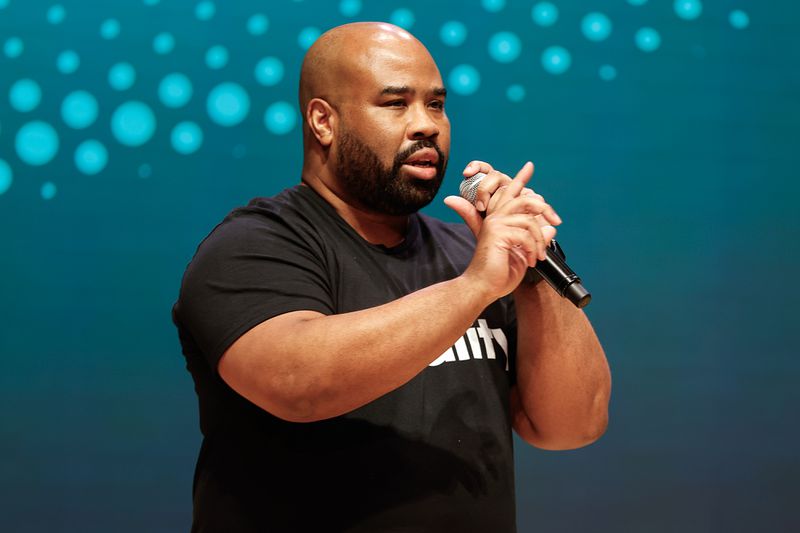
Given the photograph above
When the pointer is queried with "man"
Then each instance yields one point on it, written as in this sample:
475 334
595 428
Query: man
360 366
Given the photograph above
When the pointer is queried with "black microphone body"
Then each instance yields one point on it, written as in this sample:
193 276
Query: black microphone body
553 269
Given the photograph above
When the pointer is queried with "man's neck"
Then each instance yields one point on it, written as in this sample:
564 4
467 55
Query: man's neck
375 228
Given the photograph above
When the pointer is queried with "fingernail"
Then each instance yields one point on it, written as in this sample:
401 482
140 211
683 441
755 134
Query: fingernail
479 206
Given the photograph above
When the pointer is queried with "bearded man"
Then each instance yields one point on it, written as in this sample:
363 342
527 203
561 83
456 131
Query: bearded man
360 366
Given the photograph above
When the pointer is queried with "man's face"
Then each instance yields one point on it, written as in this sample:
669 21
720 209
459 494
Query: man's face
393 136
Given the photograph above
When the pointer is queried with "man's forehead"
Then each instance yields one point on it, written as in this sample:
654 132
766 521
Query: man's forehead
359 57
410 68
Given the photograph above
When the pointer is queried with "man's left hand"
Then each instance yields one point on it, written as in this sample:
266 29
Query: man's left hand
495 190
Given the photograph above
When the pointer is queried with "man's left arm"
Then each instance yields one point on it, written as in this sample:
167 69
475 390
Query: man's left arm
560 400
563 385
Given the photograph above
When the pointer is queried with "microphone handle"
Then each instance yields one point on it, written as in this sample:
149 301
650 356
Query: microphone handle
561 278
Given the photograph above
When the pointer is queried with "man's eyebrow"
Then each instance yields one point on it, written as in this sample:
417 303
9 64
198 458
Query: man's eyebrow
394 89
405 89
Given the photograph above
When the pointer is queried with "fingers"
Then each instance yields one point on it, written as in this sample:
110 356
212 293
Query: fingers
501 197
466 211
532 238
516 187
549 233
537 225
496 188
489 184
510 205
520 180
534 205
473 167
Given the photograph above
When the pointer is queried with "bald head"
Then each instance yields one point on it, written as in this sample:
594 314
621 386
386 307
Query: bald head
337 60
375 132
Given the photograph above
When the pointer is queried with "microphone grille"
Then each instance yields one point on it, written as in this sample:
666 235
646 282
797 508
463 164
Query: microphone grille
469 187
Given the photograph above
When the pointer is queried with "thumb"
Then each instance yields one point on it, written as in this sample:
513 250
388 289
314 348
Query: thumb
466 211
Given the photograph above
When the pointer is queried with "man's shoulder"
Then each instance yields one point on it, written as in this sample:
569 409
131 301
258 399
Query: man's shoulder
294 202
289 208
288 216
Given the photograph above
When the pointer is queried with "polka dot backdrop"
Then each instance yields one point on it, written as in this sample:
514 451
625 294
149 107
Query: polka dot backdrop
663 131
232 87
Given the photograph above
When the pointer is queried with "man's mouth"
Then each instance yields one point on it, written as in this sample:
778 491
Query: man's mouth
421 170
424 158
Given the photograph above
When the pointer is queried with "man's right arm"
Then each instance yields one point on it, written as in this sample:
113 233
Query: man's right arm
304 366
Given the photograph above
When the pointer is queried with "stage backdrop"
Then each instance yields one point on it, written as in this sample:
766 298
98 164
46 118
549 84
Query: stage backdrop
664 132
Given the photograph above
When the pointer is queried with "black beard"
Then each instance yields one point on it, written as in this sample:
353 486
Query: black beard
381 189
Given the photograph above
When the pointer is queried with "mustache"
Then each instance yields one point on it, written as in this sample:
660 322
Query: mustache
416 147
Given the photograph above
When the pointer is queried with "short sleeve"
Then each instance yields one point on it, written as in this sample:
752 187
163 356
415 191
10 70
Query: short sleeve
254 266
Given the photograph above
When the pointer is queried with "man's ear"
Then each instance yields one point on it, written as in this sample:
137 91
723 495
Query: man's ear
320 117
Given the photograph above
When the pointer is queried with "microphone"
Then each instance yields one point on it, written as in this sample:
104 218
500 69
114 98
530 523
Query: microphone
554 269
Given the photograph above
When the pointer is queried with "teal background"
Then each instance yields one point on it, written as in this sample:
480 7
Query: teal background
677 181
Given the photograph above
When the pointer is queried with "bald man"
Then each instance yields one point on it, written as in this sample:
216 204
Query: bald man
360 366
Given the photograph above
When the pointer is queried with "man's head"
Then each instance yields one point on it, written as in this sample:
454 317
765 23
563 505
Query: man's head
375 130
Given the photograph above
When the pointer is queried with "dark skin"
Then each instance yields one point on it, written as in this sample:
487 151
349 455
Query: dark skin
305 366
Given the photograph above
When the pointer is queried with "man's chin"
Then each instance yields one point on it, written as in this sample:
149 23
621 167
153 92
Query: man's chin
423 192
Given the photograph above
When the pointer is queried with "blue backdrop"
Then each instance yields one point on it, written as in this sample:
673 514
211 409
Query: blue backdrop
665 133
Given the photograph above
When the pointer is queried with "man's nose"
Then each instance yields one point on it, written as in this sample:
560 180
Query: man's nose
422 125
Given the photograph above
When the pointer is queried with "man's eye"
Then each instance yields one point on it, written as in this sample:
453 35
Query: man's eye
396 103
437 104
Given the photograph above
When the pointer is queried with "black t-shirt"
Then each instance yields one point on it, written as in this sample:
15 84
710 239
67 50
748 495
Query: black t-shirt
433 455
